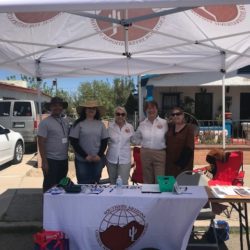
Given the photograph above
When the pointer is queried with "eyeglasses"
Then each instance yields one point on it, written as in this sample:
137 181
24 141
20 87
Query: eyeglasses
120 114
176 114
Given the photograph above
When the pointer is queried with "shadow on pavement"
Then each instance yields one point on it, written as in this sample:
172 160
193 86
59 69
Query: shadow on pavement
21 217
25 206
6 165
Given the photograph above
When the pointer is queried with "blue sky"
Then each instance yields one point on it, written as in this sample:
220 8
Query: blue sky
67 84
71 84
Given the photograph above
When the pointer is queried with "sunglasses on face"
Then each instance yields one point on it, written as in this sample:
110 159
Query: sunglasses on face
176 114
120 114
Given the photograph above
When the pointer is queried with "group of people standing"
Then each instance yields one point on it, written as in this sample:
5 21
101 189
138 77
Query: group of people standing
166 148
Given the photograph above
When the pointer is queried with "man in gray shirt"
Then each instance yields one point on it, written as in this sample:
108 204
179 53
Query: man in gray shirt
53 143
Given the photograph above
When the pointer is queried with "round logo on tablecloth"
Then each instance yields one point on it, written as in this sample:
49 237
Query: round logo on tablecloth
121 227
222 14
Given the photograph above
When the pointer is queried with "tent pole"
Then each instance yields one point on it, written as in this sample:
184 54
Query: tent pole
38 82
223 71
223 111
140 99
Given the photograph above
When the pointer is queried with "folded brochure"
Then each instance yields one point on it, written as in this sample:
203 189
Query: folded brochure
242 191
223 191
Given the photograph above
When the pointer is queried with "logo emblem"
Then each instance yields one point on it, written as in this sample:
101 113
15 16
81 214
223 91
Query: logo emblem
115 33
121 227
222 15
31 19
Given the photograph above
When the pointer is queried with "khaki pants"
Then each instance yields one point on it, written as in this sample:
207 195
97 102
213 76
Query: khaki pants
153 164
118 169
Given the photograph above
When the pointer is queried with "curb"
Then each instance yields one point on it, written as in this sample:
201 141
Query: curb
20 227
233 229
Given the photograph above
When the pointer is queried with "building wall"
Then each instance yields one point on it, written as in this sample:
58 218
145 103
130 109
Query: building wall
234 91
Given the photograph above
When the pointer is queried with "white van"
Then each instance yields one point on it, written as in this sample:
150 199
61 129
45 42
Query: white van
20 116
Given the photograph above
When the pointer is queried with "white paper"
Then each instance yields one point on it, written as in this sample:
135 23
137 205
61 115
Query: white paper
150 188
242 191
222 191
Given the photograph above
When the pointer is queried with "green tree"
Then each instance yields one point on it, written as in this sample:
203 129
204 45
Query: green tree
100 90
108 94
32 83
120 92
12 77
131 105
123 87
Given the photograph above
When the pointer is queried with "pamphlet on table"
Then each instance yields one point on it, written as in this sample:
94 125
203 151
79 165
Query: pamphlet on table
223 191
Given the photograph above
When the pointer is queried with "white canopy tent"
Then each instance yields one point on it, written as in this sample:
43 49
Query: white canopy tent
122 37
121 41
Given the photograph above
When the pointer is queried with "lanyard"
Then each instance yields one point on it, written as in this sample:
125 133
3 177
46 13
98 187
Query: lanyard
61 123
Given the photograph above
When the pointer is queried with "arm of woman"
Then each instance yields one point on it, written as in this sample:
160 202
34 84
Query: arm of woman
104 143
75 144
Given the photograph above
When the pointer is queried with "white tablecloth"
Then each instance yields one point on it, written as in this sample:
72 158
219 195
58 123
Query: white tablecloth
129 220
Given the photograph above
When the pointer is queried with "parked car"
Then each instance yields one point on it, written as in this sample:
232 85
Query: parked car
20 116
11 146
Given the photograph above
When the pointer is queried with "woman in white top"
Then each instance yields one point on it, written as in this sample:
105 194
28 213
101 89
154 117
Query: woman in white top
151 136
119 152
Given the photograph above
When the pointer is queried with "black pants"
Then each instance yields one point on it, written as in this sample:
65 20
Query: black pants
57 170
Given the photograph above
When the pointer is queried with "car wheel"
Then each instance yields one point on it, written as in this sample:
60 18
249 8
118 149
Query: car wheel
18 153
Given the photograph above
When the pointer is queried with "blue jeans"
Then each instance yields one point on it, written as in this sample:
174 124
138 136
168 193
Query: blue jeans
88 172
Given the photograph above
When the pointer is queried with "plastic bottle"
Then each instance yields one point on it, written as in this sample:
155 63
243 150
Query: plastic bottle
119 184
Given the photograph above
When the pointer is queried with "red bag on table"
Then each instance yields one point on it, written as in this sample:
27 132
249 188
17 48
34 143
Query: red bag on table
50 240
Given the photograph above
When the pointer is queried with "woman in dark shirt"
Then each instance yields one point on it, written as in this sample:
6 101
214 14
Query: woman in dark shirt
180 144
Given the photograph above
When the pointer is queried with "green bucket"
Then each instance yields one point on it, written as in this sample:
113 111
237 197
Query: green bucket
166 183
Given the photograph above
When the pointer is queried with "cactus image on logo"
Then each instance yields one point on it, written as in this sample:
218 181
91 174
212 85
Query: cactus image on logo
124 224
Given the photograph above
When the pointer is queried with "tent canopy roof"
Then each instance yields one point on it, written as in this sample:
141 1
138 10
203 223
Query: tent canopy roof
119 37
83 5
